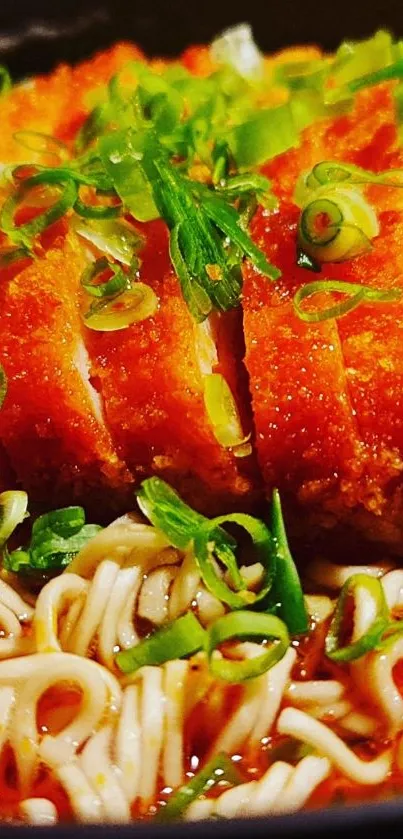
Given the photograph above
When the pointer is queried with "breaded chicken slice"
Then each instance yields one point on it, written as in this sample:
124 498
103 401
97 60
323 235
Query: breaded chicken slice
151 379
306 433
357 447
51 422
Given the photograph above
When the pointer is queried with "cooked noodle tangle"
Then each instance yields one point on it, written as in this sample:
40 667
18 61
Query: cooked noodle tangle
128 737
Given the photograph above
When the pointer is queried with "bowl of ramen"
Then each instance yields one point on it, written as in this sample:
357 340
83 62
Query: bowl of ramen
201 447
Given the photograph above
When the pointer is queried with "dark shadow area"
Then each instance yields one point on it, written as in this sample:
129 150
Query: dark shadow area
36 36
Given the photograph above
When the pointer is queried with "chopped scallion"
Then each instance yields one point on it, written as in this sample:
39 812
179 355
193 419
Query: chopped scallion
13 509
56 538
337 224
112 287
354 295
24 234
286 593
364 638
210 546
179 639
219 770
224 416
112 313
42 144
246 626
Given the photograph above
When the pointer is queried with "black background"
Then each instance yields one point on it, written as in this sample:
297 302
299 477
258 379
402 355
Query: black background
167 26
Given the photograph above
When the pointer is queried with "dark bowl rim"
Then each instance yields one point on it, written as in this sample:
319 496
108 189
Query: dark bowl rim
373 817
313 824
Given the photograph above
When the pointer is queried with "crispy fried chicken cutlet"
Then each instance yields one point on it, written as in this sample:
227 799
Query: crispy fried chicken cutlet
327 396
225 390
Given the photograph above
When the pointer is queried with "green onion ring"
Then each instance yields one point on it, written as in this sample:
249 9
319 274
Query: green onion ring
208 542
62 174
311 212
334 171
97 211
25 233
47 144
13 508
219 768
179 639
246 625
286 593
370 639
65 521
166 510
356 294
132 305
112 287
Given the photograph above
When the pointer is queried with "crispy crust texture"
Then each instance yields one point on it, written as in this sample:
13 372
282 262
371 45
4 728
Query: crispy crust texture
335 396
152 388
51 424
326 399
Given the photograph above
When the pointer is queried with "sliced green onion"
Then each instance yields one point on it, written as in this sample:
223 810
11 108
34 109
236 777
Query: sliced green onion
121 154
227 220
196 298
116 238
112 287
179 639
358 58
223 414
358 587
56 538
180 524
355 294
307 106
209 545
265 135
336 172
13 510
97 211
5 80
42 143
246 626
134 305
286 593
3 385
218 770
8 256
302 75
393 629
321 206
197 240
165 510
384 74
48 175
93 126
65 522
337 224
25 233
221 158
244 184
